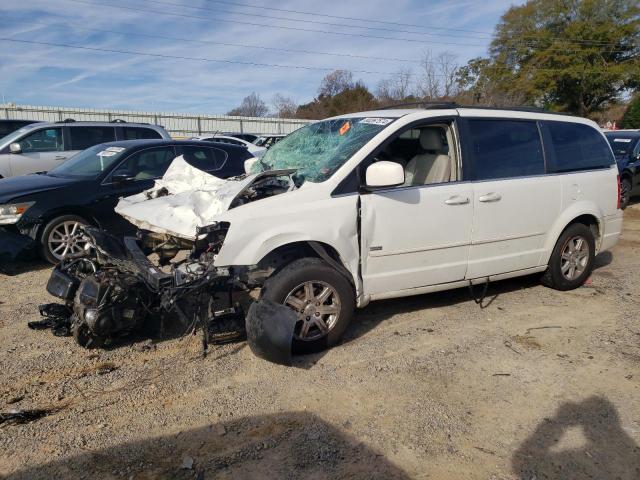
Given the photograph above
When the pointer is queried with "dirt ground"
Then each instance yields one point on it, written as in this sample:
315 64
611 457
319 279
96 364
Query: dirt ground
539 384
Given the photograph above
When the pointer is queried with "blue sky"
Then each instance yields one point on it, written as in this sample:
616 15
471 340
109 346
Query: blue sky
39 74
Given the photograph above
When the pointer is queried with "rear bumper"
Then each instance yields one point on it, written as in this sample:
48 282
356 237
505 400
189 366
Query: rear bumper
612 230
14 245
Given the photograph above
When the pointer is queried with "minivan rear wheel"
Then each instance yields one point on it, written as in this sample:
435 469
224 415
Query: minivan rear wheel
571 262
322 298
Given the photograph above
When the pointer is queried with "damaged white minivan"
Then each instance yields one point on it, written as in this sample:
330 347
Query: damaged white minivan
356 208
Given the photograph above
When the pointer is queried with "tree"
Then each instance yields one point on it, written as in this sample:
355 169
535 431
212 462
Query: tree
336 82
574 55
284 107
631 117
251 106
356 98
439 75
395 88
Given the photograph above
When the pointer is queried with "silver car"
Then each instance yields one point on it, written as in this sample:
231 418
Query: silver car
43 146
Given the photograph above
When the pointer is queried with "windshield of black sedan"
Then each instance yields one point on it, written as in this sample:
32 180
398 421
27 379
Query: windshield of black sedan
319 149
90 162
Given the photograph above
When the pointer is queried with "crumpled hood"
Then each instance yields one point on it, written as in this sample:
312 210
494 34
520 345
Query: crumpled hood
182 200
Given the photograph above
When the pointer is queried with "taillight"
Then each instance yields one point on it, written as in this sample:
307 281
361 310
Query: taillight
619 192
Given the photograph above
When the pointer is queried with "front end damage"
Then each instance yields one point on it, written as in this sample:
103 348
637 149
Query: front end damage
163 284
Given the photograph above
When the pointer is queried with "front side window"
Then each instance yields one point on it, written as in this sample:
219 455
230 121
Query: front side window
204 158
90 163
140 133
148 164
85 137
506 148
45 140
319 149
578 147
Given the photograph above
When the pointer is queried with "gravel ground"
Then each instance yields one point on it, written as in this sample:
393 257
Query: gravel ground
538 384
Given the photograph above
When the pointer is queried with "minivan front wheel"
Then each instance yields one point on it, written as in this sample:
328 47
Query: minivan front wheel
322 298
571 262
62 236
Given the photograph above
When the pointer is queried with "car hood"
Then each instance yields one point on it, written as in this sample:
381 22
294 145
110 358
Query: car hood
15 187
186 198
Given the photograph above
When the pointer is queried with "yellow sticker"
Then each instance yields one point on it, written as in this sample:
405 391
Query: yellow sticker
345 128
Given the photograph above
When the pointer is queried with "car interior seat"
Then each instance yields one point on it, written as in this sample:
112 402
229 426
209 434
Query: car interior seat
433 166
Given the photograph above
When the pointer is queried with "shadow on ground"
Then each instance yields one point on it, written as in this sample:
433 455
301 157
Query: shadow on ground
18 267
606 451
289 445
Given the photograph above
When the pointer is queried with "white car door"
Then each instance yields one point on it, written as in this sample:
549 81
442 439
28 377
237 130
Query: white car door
515 204
42 150
415 236
419 234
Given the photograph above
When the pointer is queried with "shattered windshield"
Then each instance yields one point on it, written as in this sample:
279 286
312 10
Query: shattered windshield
90 162
319 149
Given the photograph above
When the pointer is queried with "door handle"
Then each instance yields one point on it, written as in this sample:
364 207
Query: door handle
60 157
490 197
457 200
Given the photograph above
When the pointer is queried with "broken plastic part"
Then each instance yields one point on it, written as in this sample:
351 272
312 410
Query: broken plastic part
270 327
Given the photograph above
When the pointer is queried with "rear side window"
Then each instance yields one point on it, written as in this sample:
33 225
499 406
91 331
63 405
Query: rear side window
578 147
204 158
85 137
140 133
506 148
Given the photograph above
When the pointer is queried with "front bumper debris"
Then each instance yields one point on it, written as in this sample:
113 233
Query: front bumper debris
270 328
116 291
14 245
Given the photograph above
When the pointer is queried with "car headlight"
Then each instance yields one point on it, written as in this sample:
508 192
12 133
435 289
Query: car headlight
11 213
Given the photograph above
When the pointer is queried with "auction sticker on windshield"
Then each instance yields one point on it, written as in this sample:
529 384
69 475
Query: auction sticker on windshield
376 121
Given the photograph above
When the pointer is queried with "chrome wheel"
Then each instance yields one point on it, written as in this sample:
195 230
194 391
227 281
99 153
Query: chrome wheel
574 257
66 239
318 307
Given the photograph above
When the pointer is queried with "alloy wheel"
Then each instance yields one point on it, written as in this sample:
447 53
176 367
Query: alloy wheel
66 239
318 307
574 257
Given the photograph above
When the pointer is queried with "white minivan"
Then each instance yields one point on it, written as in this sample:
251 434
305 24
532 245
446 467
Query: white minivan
391 203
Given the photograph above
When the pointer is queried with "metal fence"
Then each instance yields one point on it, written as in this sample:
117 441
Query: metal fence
177 124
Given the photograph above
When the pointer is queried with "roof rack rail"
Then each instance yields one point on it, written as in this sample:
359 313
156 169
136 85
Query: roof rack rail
66 120
424 104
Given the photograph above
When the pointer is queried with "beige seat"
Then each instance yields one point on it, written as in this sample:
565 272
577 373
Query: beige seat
434 166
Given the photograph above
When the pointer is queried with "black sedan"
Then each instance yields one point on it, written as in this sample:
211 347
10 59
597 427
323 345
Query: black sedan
48 208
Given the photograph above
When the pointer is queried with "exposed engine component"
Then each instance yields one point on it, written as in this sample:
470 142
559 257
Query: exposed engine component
115 290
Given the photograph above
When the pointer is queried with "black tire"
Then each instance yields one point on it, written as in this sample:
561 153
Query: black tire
54 223
553 277
281 284
625 192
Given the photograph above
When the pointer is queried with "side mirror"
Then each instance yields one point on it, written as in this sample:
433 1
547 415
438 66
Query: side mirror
384 174
121 176
15 148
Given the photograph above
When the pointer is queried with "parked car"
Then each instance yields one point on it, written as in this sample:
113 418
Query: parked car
267 141
9 126
253 149
43 146
249 137
626 148
84 190
377 205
